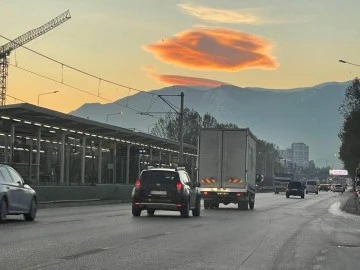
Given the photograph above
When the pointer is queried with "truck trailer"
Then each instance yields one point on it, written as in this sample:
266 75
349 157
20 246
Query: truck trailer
227 167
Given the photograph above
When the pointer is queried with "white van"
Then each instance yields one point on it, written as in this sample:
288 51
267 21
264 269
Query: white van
312 187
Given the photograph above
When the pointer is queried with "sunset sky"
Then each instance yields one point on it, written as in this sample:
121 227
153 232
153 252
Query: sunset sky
151 44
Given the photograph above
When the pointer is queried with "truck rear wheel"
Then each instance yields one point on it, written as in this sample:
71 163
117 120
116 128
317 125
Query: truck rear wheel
243 205
252 202
206 204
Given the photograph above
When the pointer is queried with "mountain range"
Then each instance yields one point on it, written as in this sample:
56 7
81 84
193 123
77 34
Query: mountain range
308 115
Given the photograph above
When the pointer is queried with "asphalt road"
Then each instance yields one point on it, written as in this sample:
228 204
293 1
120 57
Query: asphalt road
279 234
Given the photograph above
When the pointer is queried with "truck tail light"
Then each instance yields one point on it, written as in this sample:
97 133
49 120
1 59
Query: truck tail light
238 194
205 193
179 187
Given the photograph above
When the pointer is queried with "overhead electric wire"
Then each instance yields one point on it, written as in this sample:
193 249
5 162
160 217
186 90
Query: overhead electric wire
78 89
78 70
90 75
18 99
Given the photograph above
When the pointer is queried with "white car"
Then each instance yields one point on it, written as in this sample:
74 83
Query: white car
312 187
337 188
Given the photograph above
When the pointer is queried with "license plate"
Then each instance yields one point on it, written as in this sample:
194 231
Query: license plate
222 193
157 192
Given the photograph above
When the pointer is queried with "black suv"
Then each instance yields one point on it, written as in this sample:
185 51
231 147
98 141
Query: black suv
295 189
166 189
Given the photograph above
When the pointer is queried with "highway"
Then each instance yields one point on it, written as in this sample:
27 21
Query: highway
279 234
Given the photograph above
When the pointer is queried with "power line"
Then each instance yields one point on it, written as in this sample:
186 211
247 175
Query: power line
78 89
90 75
78 70
18 99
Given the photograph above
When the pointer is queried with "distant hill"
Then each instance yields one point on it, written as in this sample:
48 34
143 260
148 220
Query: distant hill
308 115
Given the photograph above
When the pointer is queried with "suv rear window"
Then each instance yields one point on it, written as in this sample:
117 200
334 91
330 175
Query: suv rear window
311 183
151 177
294 185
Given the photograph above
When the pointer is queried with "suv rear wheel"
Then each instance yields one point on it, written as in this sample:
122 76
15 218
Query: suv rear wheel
197 210
136 211
185 211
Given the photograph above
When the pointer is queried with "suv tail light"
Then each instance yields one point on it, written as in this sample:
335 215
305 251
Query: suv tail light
179 187
137 184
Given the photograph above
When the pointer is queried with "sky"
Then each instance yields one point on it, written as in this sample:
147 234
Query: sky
148 45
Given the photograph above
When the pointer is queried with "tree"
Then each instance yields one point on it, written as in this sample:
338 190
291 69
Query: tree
352 99
208 121
168 127
350 131
267 158
350 137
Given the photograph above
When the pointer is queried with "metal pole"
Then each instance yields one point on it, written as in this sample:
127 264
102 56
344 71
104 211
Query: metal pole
114 164
12 143
62 158
83 160
38 160
128 164
182 129
100 162
31 157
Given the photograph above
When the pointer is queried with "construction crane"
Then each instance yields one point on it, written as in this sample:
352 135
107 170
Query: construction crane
6 49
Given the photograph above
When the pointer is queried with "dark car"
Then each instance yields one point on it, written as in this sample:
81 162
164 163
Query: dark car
325 187
16 197
166 189
295 189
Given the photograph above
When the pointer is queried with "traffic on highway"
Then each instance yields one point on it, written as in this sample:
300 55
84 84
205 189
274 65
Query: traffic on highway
180 135
283 230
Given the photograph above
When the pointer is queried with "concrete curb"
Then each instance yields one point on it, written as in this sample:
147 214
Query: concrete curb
350 204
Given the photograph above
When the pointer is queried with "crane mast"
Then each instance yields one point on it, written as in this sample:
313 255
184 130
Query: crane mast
6 49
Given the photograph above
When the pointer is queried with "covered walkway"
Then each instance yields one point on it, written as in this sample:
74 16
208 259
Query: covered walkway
52 148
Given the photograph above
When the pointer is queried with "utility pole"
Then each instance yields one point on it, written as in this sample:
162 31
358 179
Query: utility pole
180 112
181 161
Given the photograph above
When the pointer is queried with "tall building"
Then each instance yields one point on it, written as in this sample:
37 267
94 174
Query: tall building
286 154
300 152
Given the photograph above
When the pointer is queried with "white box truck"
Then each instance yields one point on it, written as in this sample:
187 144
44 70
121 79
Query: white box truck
227 167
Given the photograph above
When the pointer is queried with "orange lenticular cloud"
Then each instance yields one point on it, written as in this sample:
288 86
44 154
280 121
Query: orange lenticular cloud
215 49
184 80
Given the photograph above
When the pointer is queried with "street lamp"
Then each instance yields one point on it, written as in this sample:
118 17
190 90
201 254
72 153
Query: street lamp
107 116
346 62
43 94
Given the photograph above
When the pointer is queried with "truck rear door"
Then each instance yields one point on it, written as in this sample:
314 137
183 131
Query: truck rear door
234 159
210 158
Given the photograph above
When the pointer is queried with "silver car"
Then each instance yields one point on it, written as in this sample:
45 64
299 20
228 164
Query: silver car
16 197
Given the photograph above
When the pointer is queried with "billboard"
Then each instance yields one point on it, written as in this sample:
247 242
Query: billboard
338 172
